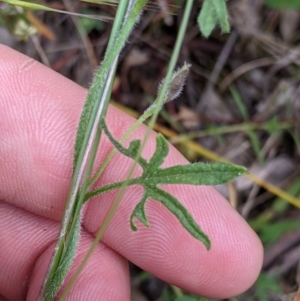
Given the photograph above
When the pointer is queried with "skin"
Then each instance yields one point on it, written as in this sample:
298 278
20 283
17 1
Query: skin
39 114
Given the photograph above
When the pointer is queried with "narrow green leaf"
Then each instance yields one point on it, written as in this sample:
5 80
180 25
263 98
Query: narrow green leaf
83 123
58 278
134 147
192 174
161 152
182 214
139 213
197 174
131 152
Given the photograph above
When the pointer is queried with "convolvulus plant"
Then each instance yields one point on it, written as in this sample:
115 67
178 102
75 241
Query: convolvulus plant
92 125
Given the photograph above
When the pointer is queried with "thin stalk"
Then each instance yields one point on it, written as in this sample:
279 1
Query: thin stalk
110 187
116 45
166 116
72 209
173 61
102 110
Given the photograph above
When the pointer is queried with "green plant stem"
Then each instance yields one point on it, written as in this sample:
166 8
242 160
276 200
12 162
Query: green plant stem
139 5
176 125
113 51
74 203
110 187
173 61
105 100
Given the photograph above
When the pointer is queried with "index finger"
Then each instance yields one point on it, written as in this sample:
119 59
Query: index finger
39 115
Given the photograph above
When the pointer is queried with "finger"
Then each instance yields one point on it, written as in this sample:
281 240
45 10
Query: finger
27 243
42 110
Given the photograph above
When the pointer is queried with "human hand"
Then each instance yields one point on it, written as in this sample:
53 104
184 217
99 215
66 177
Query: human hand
39 115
